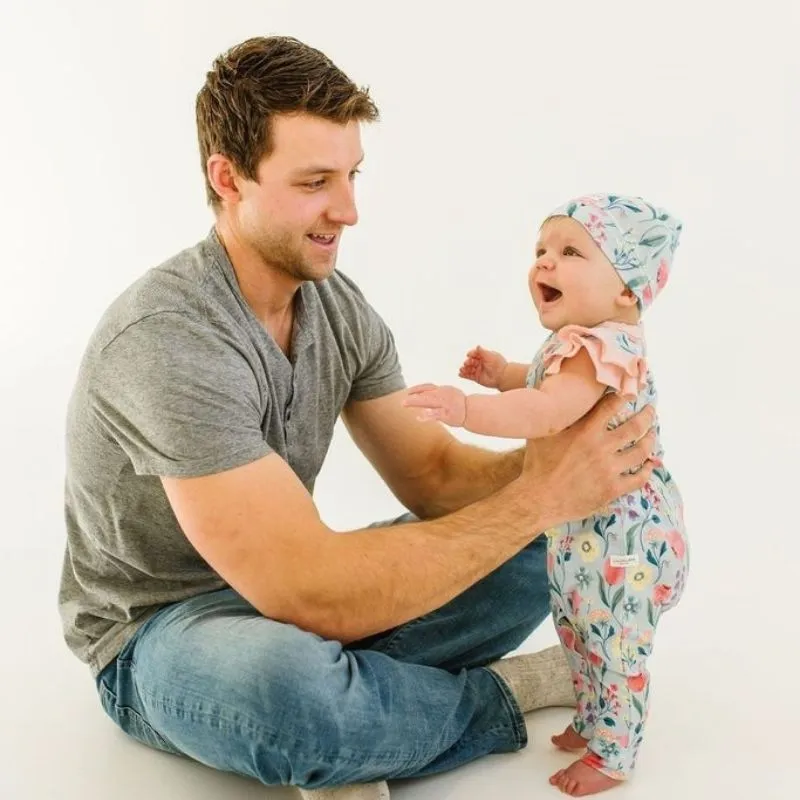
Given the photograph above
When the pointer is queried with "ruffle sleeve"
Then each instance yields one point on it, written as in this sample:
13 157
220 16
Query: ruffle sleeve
617 352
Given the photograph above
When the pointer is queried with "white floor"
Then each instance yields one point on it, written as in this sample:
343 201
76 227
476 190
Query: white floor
706 738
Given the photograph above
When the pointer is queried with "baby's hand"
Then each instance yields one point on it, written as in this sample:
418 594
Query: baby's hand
485 367
444 403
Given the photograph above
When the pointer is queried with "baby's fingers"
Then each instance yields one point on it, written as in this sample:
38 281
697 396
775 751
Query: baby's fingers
423 400
421 387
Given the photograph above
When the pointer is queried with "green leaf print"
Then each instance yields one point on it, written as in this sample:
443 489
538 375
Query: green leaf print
653 241
618 595
638 706
603 592
634 282
650 617
610 721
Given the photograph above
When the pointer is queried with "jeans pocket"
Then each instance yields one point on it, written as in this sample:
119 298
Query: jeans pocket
131 721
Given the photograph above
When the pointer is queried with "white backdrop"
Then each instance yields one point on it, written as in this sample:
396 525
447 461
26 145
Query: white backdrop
490 117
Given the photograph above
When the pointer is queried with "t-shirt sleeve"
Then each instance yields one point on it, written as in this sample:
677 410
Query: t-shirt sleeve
178 397
379 371
618 355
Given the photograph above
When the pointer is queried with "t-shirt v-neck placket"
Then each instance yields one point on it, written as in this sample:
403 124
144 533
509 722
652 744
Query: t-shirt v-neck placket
296 364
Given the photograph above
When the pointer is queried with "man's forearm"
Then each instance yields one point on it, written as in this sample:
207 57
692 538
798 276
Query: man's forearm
364 582
468 473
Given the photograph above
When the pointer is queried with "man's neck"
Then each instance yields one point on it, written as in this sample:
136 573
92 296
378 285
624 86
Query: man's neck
269 293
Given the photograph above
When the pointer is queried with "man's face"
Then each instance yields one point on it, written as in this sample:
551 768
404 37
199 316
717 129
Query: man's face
293 217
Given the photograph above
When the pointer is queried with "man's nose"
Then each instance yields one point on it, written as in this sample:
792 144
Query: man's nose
343 209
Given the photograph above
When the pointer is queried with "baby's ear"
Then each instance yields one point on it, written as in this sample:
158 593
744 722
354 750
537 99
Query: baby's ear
626 298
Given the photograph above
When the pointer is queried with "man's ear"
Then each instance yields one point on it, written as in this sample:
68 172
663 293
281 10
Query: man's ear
223 177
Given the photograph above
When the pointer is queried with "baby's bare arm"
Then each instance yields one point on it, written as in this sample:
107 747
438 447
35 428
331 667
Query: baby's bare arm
514 376
561 400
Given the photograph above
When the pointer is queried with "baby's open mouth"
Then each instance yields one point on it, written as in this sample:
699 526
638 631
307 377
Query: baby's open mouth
549 294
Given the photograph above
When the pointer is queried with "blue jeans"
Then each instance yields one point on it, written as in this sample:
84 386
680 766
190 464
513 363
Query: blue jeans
212 679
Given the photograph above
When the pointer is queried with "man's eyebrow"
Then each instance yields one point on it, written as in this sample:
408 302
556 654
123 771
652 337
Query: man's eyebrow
319 169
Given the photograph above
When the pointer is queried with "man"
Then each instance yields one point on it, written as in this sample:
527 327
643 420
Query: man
221 618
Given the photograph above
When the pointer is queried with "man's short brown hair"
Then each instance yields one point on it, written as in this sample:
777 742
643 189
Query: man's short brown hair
259 78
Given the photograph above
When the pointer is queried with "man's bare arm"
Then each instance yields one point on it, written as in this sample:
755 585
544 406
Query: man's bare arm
430 471
259 529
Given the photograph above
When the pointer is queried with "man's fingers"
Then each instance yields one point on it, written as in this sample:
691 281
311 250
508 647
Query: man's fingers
633 429
631 483
638 454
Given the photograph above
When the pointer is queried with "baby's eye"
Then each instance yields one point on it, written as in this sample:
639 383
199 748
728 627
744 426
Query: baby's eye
570 251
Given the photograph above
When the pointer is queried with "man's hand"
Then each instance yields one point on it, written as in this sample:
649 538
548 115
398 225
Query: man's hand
485 367
583 468
443 403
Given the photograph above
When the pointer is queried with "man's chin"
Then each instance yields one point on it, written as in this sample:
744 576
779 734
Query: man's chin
320 270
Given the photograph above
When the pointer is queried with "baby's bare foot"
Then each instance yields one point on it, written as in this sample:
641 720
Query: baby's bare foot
580 779
570 740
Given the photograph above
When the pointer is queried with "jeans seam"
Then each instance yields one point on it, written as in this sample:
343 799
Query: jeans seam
128 711
517 726
389 646
271 737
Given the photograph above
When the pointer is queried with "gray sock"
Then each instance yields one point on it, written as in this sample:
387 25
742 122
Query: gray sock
538 680
355 791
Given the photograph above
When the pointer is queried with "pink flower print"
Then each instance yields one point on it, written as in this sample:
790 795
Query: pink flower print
575 601
647 295
661 594
567 636
593 760
636 683
613 575
662 275
596 659
676 542
550 563
596 228
652 495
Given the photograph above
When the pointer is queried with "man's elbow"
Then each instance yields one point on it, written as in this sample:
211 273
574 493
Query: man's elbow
317 613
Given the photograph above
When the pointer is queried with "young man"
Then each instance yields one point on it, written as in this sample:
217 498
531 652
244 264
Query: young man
221 618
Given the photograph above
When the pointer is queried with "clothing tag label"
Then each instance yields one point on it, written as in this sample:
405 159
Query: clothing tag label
624 561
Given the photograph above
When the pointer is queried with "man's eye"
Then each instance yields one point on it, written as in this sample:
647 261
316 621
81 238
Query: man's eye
354 173
318 184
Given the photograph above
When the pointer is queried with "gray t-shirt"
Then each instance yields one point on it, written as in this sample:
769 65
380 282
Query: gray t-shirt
180 379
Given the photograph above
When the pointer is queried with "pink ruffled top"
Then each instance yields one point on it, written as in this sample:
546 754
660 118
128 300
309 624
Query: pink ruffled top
617 351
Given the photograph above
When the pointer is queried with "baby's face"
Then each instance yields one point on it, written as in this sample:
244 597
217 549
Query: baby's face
573 283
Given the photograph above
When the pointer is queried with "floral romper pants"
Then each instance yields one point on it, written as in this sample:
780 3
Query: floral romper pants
611 579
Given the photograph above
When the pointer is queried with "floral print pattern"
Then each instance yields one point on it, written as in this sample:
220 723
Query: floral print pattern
638 238
611 577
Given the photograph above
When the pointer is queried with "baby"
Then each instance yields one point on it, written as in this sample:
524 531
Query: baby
600 261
